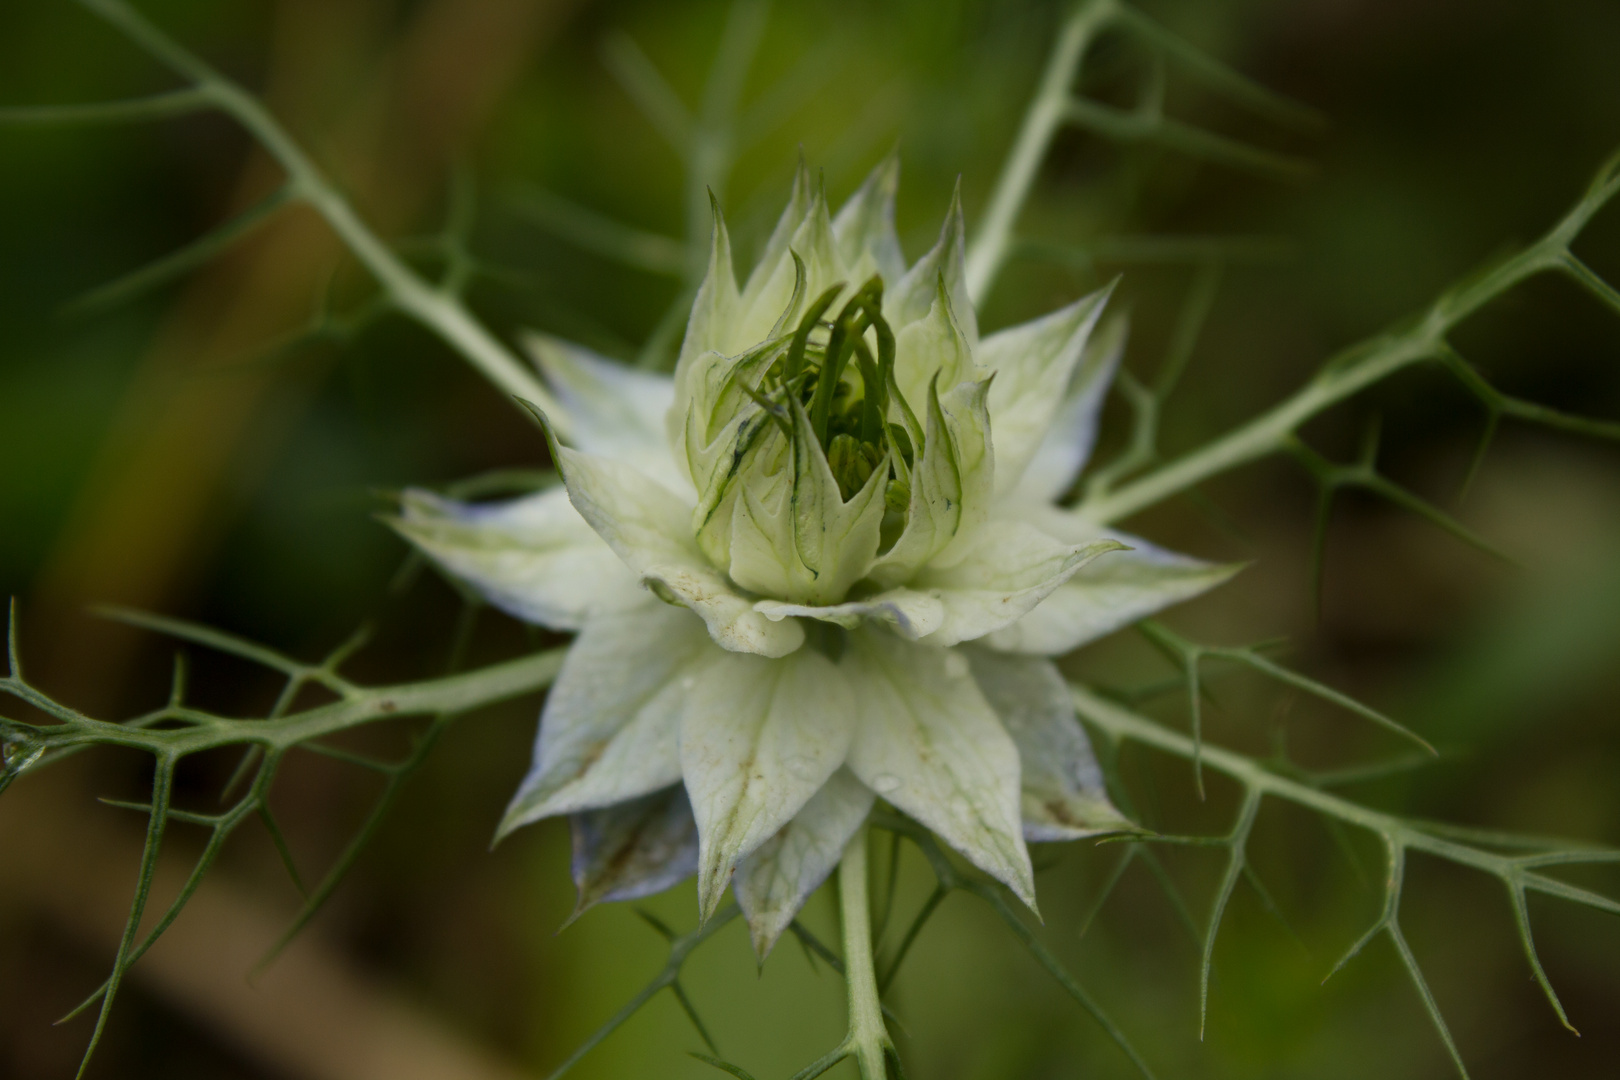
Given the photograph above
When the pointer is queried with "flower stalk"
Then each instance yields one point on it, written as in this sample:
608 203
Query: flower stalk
868 1040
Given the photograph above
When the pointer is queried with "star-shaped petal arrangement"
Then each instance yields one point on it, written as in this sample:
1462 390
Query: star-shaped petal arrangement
821 565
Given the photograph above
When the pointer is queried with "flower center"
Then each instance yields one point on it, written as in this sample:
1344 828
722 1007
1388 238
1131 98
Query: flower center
844 391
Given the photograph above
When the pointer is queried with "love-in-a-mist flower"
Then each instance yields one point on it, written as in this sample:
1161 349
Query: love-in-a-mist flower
822 564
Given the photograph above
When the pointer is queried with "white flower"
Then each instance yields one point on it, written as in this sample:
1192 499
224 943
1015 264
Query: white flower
841 488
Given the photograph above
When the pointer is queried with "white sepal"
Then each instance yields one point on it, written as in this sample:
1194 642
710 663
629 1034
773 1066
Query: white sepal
928 742
610 728
909 299
1007 568
650 529
632 849
613 410
1033 364
758 739
950 485
1066 448
1108 595
864 227
910 614
1064 797
534 558
773 883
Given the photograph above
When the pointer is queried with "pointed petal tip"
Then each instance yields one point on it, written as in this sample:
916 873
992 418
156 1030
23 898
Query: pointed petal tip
542 421
580 908
710 893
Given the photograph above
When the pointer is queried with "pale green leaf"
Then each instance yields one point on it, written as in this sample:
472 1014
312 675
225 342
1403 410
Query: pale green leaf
767 302
911 297
932 349
950 485
835 540
714 309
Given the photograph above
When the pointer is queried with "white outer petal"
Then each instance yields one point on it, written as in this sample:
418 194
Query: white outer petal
1108 595
927 741
614 411
611 723
1051 377
632 849
1007 568
759 737
911 614
1064 797
1063 454
534 558
773 883
650 529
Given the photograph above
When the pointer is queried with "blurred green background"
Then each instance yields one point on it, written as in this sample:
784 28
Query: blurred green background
168 453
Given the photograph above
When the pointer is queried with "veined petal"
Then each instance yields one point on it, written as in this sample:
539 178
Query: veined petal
534 558
775 256
864 227
950 486
768 301
1007 569
773 883
932 349
714 309
648 526
758 739
909 613
717 433
1066 448
1064 797
610 728
1033 363
762 556
927 741
1108 595
835 540
633 849
614 410
911 297
792 534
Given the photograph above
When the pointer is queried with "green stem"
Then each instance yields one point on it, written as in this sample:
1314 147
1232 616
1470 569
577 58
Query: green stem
868 1039
438 310
453 694
1046 115
1345 375
1120 723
